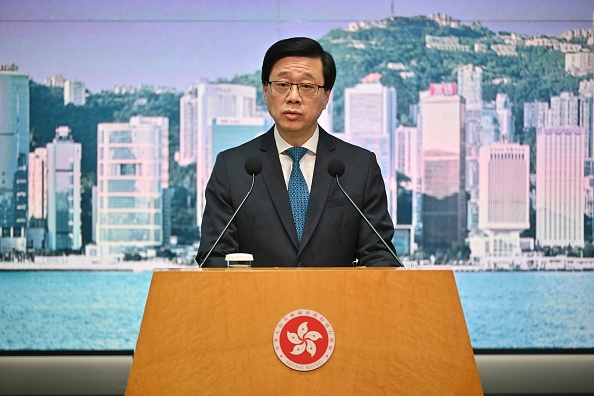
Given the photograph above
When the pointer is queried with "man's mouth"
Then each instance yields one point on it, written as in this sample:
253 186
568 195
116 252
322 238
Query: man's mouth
291 114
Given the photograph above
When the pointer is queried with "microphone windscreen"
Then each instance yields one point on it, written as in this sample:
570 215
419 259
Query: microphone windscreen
253 166
336 168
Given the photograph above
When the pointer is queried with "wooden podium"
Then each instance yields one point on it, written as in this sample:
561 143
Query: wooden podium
397 332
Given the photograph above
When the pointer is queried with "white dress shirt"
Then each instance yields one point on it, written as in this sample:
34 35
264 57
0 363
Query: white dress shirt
306 164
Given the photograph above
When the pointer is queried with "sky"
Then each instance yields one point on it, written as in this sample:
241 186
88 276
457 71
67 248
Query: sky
174 43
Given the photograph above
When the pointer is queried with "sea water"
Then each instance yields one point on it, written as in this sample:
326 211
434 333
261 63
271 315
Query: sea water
102 310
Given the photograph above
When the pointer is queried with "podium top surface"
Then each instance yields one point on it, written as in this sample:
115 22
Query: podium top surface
265 269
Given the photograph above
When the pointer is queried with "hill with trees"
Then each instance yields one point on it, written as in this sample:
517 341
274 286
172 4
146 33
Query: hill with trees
395 47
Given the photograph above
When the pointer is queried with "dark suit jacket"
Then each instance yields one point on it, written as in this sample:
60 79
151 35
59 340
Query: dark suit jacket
334 235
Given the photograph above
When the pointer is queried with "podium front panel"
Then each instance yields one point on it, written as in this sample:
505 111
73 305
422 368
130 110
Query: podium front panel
397 331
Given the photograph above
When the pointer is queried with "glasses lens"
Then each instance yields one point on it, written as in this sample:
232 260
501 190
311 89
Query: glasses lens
283 88
308 89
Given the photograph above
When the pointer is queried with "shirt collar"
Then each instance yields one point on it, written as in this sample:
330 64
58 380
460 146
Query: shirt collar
310 145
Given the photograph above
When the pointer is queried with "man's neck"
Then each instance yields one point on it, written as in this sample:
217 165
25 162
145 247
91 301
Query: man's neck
296 139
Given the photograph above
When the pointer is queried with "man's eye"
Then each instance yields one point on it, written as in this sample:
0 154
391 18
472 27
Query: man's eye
307 86
283 85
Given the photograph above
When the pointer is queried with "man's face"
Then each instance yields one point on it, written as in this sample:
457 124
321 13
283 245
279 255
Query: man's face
296 116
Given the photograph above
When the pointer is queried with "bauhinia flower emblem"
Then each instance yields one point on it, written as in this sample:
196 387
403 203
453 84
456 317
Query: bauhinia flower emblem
304 340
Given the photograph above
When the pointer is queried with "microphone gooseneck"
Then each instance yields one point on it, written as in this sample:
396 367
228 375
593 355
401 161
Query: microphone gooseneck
336 169
253 166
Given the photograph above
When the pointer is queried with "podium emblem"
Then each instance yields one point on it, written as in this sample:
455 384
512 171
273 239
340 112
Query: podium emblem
303 340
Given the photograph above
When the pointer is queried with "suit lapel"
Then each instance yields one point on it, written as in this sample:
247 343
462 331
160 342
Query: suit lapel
275 183
320 187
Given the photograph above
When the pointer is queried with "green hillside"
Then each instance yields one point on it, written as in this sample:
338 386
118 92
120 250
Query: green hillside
395 47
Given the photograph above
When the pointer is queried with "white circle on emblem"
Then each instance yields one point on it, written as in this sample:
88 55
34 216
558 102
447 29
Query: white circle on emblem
303 340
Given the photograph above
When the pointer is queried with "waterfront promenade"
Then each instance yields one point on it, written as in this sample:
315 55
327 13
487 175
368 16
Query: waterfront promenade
84 263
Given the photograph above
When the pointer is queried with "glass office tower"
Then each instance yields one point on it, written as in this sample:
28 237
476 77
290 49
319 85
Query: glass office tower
14 149
132 183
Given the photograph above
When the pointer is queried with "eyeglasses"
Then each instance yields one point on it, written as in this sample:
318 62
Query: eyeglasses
304 89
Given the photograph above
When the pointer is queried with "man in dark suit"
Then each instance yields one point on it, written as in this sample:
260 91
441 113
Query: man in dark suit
321 229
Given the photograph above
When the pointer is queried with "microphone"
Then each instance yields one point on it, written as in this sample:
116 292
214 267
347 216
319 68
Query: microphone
336 169
253 167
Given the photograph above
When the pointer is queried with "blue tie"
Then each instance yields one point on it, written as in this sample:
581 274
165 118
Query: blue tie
298 192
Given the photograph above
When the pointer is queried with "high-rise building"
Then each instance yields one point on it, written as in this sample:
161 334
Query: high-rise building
407 156
75 93
14 149
504 198
564 110
63 192
536 115
586 111
38 185
470 85
210 101
132 185
228 132
505 119
443 140
370 122
370 107
408 162
188 128
482 128
36 233
560 187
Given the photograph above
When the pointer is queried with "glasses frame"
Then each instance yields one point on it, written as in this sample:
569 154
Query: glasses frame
298 88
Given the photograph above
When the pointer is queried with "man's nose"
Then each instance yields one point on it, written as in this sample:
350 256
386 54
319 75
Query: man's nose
294 95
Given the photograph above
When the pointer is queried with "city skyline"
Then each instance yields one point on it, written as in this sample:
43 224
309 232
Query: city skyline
150 42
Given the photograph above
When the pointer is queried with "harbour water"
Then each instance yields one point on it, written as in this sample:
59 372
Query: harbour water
102 310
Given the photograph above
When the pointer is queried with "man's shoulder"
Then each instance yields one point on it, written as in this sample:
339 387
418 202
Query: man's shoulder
345 147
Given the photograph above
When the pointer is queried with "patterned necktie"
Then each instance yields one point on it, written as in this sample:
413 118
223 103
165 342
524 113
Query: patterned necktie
298 191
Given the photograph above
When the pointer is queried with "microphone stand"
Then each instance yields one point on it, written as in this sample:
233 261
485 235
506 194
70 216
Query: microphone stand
400 264
229 223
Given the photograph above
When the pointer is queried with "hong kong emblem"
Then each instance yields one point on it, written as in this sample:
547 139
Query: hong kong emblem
303 340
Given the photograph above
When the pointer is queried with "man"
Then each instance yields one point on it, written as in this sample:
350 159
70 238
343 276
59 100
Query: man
296 214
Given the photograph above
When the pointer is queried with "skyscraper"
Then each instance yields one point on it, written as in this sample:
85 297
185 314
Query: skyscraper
370 107
211 101
38 187
188 128
560 186
470 85
407 152
132 183
228 132
586 112
63 192
504 196
14 149
36 233
536 115
370 122
505 119
564 110
443 139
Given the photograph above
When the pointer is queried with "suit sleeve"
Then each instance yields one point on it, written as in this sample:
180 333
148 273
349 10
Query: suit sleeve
371 251
217 212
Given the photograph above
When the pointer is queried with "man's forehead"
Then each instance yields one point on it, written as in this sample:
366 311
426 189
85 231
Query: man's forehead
309 67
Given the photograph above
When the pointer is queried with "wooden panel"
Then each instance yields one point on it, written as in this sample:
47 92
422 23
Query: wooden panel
398 331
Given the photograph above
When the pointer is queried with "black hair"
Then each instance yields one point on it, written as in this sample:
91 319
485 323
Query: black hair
299 46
